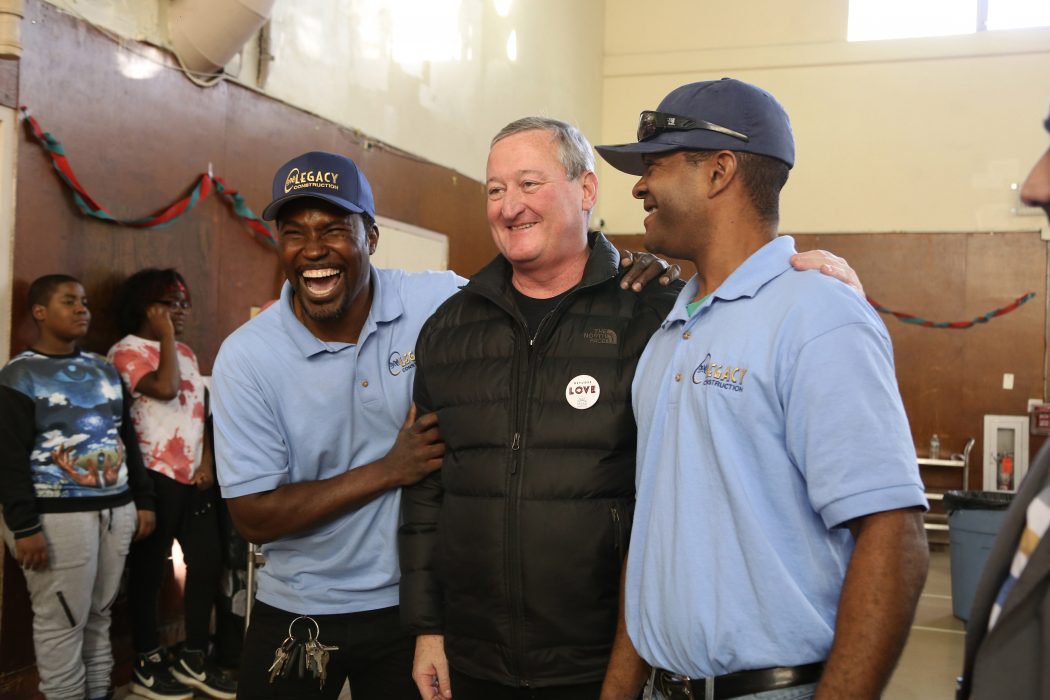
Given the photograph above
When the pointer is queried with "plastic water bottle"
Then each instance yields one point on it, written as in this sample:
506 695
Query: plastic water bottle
935 447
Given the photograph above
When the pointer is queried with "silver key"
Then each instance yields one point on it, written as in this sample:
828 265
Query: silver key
278 663
280 659
313 657
312 654
309 648
322 660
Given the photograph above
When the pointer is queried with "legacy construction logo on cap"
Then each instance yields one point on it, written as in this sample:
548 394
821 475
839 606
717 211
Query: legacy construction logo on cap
715 115
328 176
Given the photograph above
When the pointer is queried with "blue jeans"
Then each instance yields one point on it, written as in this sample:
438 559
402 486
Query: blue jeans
799 692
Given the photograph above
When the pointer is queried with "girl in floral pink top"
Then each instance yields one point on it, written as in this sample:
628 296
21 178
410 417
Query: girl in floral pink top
168 414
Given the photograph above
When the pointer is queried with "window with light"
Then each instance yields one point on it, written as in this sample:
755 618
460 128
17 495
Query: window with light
898 19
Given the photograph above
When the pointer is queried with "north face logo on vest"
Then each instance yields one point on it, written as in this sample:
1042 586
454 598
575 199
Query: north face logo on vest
602 336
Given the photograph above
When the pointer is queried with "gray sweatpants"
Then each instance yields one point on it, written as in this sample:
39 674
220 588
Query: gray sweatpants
72 599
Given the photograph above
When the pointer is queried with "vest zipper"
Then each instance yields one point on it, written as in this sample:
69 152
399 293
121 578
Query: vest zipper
515 446
521 397
515 563
523 383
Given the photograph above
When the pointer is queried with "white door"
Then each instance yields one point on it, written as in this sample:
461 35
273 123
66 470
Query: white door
409 247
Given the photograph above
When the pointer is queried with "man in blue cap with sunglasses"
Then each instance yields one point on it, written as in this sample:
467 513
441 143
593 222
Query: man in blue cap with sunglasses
778 548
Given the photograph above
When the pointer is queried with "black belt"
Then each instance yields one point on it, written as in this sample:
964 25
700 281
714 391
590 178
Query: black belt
732 685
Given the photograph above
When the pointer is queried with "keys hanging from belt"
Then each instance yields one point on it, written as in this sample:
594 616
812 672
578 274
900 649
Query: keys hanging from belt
297 656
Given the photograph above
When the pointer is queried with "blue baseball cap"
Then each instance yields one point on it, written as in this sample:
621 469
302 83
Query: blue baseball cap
726 114
328 176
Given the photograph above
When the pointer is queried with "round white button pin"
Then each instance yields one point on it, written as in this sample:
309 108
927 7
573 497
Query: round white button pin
582 391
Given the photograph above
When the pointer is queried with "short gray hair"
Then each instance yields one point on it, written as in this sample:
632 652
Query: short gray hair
574 150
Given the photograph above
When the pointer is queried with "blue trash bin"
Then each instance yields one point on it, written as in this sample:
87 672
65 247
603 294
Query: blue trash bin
974 519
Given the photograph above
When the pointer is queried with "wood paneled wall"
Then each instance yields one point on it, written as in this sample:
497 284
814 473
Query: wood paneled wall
136 145
950 379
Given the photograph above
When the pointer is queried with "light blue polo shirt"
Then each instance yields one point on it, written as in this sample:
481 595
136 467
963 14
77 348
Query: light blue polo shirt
289 407
765 420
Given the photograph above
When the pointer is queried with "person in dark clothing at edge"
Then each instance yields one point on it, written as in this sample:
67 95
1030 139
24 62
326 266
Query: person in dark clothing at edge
1008 634
511 554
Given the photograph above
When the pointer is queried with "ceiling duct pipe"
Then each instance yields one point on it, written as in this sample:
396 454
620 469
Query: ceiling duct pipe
11 28
207 34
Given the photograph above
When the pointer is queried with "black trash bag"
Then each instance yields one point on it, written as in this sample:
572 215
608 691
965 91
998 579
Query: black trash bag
977 500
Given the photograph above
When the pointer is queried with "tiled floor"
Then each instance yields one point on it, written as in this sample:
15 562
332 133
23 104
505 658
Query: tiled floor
934 653
932 658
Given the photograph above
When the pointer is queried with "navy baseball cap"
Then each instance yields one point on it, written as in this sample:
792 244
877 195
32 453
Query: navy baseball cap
328 176
726 114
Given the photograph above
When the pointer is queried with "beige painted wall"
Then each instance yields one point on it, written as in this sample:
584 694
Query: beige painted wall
906 135
363 64
354 65
141 20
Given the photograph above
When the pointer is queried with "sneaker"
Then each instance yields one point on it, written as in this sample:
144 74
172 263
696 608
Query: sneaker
152 679
195 670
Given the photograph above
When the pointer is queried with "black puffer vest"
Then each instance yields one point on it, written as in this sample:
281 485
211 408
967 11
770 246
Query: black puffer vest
513 549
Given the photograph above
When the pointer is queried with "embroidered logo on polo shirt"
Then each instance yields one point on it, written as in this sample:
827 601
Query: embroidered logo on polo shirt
719 375
602 336
398 363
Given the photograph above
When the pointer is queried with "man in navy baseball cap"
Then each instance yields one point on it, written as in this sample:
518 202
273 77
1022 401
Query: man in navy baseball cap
328 176
738 403
709 115
315 433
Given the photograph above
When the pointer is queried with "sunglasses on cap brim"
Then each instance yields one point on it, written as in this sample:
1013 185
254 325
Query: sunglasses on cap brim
652 123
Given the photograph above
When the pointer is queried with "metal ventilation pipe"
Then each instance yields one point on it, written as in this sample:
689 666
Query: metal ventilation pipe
11 28
207 34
